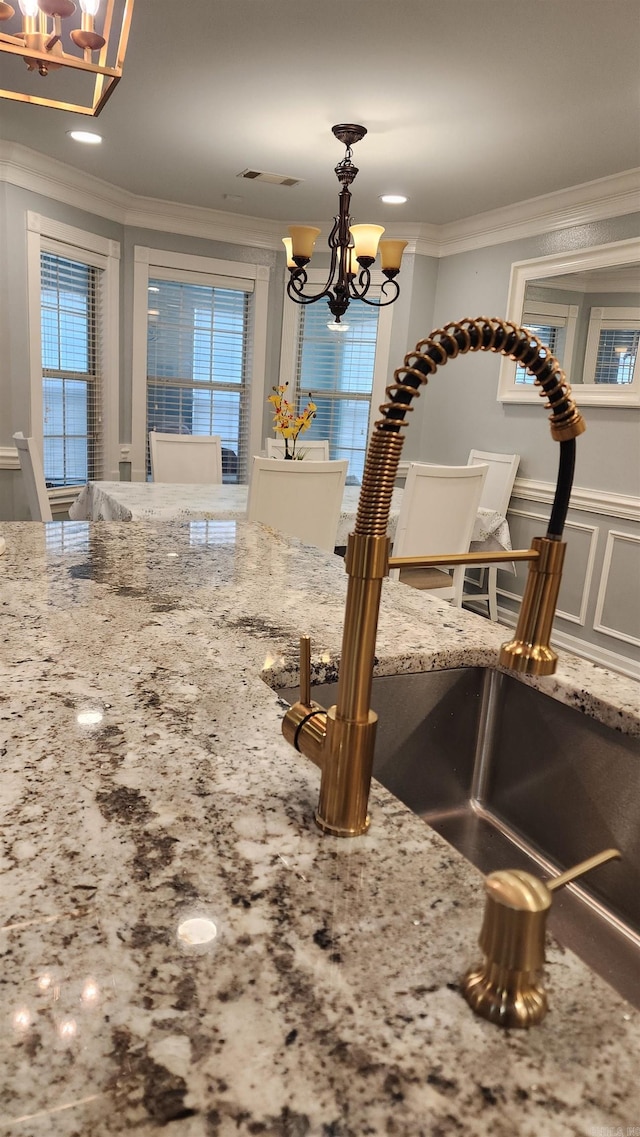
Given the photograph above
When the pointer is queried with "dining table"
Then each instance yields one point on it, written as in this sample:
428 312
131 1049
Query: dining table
165 501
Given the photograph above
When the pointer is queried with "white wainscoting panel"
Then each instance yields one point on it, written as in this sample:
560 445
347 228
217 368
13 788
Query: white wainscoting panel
621 557
578 567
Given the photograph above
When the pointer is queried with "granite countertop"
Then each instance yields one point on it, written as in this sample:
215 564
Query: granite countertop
146 784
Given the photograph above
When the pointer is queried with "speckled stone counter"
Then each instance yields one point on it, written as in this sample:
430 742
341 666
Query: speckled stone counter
145 783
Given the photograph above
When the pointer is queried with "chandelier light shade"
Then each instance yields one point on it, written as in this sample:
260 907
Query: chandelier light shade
85 44
353 248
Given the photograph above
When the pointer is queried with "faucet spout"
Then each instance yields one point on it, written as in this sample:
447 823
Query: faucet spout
341 740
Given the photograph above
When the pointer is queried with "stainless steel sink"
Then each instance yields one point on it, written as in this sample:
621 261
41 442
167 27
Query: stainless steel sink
514 779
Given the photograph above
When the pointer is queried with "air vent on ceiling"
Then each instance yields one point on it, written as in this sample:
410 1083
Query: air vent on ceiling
273 179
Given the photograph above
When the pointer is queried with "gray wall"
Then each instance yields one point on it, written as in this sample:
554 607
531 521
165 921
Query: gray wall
459 410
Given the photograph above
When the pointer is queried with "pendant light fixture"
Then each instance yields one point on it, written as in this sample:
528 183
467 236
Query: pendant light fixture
353 248
39 36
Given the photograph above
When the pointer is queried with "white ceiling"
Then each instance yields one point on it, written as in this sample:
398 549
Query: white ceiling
470 104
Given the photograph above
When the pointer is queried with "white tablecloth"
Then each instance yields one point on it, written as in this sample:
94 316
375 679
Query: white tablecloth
162 501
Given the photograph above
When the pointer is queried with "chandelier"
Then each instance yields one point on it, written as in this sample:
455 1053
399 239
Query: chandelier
353 249
39 38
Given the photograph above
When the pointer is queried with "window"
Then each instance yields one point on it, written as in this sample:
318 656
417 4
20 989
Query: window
611 353
197 365
70 371
555 325
340 366
345 373
199 347
73 300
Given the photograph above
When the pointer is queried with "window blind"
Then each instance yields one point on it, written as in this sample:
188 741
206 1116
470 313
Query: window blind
551 334
616 359
337 370
198 361
71 372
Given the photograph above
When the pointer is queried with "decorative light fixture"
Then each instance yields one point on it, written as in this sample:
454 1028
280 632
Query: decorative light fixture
39 42
353 248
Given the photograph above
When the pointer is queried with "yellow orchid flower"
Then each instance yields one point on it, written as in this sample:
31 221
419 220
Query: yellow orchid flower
286 422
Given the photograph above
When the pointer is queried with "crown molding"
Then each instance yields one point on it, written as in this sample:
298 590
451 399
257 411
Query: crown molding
27 169
423 239
583 204
40 174
196 221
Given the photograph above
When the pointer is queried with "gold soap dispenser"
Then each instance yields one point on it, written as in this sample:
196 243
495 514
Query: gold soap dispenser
507 988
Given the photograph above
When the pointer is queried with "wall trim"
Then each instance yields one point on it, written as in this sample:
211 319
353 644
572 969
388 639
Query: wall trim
589 501
583 204
45 226
9 458
625 506
612 536
581 616
197 221
613 196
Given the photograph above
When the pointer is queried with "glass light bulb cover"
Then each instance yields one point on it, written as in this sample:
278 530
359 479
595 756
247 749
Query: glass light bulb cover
350 260
365 239
288 246
393 198
391 253
90 7
303 238
29 7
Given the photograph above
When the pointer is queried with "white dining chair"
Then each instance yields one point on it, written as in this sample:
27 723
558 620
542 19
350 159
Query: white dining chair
302 499
496 495
33 478
316 449
194 459
437 514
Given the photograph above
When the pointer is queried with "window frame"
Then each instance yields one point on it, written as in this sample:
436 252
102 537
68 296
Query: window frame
209 271
612 255
291 324
44 234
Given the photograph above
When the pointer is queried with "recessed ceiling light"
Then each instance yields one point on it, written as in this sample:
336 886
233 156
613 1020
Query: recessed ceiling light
393 198
85 136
